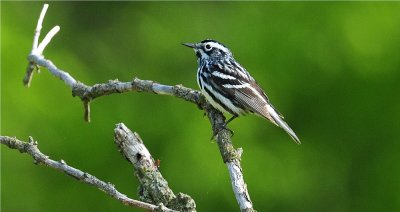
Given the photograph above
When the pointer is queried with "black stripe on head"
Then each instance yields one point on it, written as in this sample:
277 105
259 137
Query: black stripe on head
211 40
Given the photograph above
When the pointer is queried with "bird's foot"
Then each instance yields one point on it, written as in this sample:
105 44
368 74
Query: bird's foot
221 127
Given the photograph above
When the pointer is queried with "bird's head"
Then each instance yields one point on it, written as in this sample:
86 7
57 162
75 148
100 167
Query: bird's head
209 50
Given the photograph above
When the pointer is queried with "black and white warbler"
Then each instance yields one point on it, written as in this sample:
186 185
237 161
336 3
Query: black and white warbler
229 87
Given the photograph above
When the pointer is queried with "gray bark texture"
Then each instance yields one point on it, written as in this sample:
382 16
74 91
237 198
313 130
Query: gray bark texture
153 187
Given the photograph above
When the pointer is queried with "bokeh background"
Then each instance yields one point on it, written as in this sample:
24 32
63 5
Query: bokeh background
332 69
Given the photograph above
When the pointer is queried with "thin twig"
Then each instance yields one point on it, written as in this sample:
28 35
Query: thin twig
47 39
231 158
39 27
31 148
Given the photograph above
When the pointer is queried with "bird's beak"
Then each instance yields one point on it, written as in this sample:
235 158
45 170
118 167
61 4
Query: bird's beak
191 45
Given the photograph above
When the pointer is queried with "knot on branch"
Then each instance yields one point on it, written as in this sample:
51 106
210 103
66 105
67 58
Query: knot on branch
81 90
30 69
89 93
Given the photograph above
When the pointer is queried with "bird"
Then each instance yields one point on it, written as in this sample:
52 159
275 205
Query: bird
229 87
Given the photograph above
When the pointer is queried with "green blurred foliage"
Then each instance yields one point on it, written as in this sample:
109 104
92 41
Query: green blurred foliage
331 68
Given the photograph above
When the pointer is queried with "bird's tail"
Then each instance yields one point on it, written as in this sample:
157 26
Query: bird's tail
278 120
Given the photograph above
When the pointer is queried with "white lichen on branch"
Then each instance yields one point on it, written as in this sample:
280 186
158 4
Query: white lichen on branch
153 187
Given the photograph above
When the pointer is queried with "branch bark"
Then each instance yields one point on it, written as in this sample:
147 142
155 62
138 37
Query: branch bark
31 148
153 187
230 155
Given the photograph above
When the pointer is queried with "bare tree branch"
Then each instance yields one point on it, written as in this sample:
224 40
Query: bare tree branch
39 48
153 187
88 93
231 158
31 148
39 27
230 155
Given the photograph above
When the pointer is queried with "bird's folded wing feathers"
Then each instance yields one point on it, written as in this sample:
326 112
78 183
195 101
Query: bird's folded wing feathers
253 102
240 87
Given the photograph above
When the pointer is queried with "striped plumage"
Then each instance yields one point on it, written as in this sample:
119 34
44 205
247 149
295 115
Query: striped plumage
229 87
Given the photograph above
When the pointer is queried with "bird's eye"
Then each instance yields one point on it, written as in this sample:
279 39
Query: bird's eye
207 47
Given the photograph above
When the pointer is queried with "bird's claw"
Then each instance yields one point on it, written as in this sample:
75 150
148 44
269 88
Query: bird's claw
221 127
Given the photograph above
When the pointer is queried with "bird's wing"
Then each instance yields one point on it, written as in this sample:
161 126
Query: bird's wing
234 82
244 92
254 99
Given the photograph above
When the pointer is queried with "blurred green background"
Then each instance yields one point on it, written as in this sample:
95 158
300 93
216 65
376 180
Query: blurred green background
332 69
